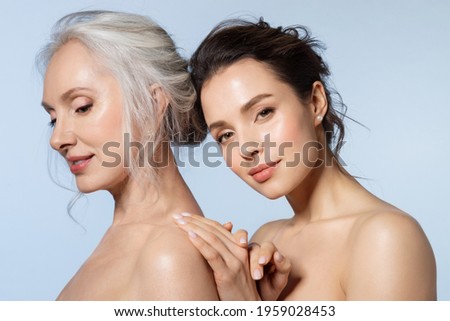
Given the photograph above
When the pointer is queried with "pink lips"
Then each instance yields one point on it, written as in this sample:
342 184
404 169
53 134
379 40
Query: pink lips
263 172
78 163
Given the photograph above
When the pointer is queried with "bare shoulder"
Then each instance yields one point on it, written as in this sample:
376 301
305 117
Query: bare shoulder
267 231
389 258
170 268
387 227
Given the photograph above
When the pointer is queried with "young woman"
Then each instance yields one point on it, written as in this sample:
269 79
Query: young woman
114 82
263 95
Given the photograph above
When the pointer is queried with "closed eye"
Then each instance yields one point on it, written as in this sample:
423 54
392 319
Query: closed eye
84 109
52 123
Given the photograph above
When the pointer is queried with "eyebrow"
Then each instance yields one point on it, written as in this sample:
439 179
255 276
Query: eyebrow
64 97
249 104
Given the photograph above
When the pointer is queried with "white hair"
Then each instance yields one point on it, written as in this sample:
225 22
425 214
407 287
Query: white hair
139 54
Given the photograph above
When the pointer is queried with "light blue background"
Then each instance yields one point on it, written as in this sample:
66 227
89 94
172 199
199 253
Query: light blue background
390 62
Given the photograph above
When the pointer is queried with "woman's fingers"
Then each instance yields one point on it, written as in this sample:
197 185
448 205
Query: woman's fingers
271 286
230 273
275 278
241 238
256 269
227 255
212 254
215 240
280 276
227 259
207 223
260 256
228 226
270 268
282 264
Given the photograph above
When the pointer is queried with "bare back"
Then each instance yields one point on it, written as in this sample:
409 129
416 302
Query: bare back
142 262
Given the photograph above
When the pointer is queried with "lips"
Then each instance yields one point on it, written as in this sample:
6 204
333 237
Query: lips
78 163
263 172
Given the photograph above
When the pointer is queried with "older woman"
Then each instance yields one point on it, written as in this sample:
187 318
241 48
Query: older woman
113 83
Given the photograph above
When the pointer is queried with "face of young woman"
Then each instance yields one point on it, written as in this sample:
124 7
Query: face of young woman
85 106
267 135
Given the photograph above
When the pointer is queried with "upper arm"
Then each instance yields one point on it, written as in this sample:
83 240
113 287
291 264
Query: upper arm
174 270
390 258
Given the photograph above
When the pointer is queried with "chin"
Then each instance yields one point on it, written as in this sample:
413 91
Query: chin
87 186
91 183
86 189
272 194
267 189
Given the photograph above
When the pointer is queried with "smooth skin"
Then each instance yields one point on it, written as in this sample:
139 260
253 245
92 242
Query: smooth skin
343 242
232 260
142 256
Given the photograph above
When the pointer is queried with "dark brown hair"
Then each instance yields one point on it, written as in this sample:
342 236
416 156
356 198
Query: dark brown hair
291 53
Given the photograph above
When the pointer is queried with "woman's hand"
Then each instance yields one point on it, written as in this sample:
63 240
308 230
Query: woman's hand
228 256
267 265
270 268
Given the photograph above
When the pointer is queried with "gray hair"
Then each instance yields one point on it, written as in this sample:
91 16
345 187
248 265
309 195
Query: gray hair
139 54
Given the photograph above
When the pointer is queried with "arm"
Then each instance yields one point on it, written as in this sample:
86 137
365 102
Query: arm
228 257
390 258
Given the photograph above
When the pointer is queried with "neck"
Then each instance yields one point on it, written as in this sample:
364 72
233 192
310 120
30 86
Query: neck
153 203
323 193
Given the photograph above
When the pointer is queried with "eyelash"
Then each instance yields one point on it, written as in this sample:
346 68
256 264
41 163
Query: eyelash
264 113
82 110
221 137
268 111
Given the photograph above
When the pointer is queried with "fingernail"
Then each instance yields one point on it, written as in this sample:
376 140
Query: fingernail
181 221
262 260
257 274
177 216
186 214
243 240
192 234
278 257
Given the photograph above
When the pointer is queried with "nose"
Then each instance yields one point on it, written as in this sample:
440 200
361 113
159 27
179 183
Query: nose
62 137
250 149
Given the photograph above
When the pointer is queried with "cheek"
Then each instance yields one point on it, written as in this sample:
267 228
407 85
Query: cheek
296 134
108 128
302 148
232 158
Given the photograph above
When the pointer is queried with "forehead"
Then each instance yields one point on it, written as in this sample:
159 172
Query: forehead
69 56
72 65
243 71
233 86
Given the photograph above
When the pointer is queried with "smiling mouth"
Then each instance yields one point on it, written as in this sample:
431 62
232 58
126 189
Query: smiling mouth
78 164
263 172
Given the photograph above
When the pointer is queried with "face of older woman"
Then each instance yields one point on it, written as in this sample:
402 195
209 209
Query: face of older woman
84 102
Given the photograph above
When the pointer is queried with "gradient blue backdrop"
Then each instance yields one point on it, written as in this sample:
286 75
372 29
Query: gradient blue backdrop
390 62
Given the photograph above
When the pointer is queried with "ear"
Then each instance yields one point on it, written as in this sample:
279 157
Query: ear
161 99
319 102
